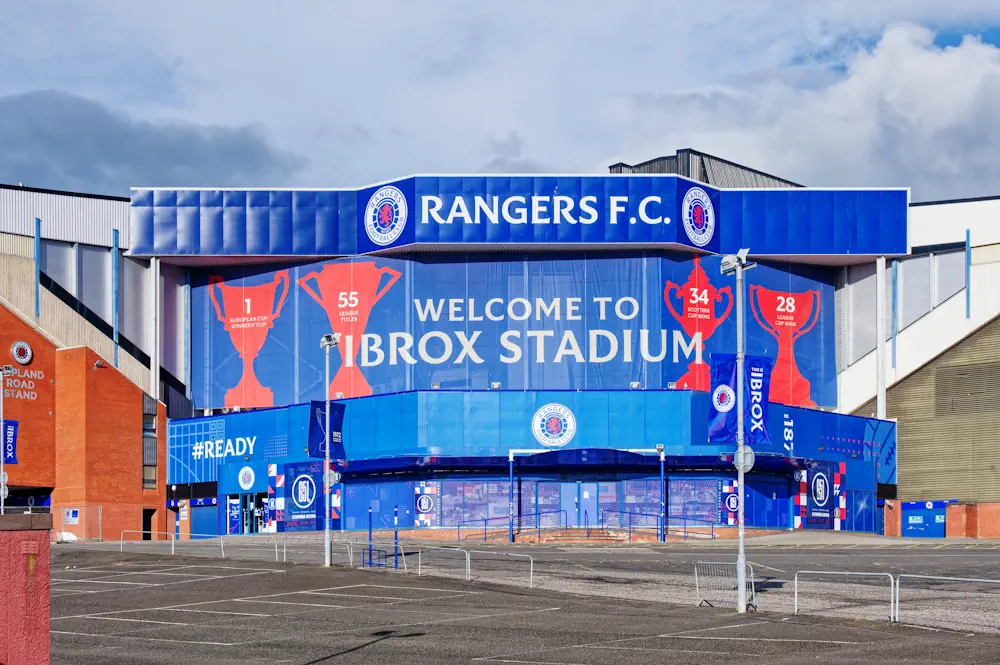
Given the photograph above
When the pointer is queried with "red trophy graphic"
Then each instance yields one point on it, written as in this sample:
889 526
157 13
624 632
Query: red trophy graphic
698 317
249 315
787 316
348 291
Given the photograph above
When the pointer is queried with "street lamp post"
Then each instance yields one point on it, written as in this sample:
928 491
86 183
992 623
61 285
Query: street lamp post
5 371
736 264
326 343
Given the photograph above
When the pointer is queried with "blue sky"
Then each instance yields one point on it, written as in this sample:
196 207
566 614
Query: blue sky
107 94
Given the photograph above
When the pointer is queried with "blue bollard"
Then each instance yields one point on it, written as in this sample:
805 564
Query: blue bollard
395 537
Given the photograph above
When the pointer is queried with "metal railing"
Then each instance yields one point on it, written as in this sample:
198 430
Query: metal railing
531 562
151 533
693 521
892 585
936 578
537 521
464 553
633 521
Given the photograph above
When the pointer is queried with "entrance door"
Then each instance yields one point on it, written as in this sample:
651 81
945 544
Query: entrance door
588 505
147 523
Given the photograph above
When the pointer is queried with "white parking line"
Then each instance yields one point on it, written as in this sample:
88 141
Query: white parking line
606 643
147 639
96 581
757 639
165 623
237 614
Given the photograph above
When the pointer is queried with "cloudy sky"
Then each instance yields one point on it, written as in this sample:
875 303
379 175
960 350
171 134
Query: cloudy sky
102 95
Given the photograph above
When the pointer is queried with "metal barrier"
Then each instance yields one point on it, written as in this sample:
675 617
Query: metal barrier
715 584
531 563
468 562
892 584
378 555
935 578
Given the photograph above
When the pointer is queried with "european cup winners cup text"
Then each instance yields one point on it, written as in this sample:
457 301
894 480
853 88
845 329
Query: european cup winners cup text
520 342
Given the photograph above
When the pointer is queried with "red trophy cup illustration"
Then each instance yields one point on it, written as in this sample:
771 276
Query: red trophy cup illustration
249 315
787 316
698 317
348 291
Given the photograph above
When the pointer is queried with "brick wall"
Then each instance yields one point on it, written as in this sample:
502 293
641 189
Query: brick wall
99 425
956 524
893 518
30 400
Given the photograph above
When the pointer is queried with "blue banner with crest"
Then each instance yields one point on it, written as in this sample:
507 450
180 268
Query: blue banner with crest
722 422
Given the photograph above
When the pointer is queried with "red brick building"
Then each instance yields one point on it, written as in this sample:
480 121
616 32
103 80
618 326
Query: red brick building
86 435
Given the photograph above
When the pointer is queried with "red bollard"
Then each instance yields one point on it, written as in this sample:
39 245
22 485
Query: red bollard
24 579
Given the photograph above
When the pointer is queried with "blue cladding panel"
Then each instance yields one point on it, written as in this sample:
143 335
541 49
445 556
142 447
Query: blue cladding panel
530 210
205 521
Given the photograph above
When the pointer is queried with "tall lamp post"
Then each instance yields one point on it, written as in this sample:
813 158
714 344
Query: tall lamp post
326 343
5 371
735 264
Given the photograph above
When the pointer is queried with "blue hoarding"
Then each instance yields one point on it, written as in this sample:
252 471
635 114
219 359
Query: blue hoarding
464 323
545 209
925 519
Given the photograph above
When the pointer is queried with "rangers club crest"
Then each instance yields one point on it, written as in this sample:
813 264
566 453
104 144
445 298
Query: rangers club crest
22 353
724 399
698 216
385 216
246 478
553 425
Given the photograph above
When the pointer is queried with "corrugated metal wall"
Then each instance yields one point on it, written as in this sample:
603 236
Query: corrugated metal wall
66 217
58 320
949 422
706 168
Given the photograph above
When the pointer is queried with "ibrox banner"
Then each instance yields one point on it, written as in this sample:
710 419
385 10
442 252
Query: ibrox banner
10 442
578 322
722 422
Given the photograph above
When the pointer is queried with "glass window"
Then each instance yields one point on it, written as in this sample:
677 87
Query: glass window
149 477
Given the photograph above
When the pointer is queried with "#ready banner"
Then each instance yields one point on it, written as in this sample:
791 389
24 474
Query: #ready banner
722 422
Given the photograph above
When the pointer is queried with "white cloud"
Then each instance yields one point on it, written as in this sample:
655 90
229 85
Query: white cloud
372 91
905 113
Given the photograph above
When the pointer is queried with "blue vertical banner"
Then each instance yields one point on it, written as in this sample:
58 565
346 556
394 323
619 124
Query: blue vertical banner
317 430
235 524
722 407
758 387
10 442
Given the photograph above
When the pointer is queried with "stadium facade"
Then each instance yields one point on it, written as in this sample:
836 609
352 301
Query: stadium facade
464 341
516 345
